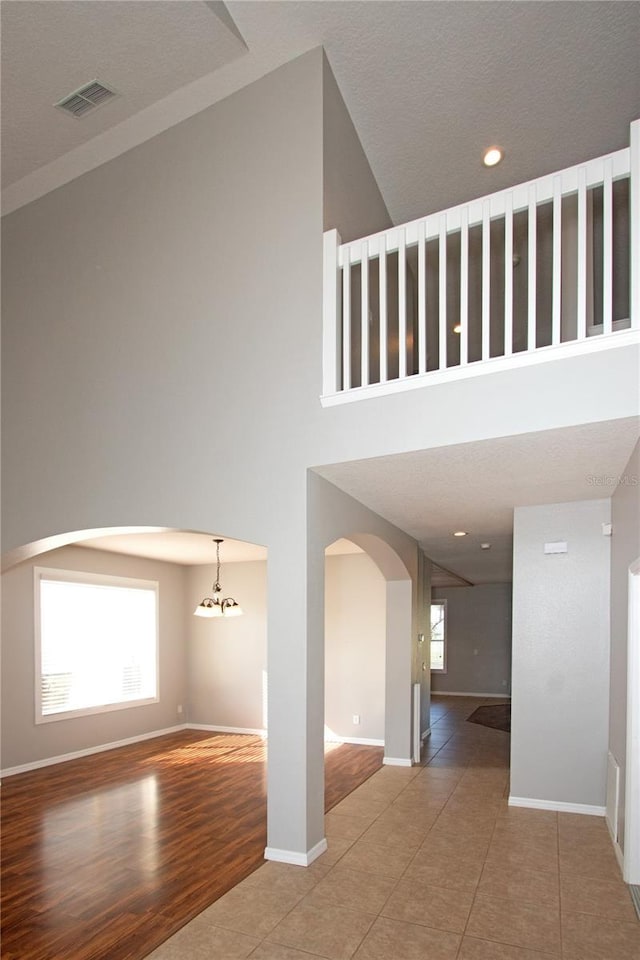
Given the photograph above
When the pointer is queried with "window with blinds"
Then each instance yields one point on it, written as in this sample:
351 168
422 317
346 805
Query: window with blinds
96 643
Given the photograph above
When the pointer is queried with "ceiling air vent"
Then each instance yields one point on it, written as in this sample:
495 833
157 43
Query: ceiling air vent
87 98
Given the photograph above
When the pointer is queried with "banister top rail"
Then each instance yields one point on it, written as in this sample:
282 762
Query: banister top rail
592 170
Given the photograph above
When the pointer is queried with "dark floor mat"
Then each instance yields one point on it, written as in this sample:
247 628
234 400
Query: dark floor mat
497 716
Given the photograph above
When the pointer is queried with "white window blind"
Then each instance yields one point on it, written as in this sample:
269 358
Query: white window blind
439 636
96 643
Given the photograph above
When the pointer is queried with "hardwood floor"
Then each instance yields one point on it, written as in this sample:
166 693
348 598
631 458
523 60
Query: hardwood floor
105 857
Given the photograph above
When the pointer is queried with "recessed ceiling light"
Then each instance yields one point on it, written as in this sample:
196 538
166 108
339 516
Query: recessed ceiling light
485 546
492 156
460 533
457 328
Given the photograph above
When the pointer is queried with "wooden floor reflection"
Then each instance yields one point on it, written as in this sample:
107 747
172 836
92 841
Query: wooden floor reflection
105 857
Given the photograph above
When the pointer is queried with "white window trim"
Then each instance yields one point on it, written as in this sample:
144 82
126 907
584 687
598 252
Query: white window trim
443 670
78 576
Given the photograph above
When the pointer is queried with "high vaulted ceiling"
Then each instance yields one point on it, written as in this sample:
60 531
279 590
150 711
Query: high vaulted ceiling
428 84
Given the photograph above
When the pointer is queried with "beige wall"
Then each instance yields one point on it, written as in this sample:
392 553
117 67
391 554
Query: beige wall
355 640
24 741
227 658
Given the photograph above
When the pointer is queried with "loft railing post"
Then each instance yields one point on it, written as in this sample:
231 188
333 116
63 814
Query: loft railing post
634 185
331 315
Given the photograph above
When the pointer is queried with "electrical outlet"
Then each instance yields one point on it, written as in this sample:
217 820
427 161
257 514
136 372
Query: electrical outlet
179 709
356 718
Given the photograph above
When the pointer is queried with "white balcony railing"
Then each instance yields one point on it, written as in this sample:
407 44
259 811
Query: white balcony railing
546 269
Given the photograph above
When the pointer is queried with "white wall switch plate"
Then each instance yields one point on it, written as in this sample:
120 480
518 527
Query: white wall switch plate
556 546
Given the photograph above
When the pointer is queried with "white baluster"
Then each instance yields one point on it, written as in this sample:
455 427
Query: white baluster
442 290
422 299
382 284
556 291
464 286
346 320
486 280
402 305
364 315
607 248
582 254
508 275
634 216
532 273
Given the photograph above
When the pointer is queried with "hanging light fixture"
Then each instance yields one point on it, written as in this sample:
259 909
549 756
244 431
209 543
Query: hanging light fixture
218 606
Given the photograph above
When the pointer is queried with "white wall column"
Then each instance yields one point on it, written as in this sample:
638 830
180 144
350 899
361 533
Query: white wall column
295 791
397 734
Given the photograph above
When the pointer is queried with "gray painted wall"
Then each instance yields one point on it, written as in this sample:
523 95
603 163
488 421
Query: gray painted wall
162 366
625 549
24 741
353 204
560 672
478 640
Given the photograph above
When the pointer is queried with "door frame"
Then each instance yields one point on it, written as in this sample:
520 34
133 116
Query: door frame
632 777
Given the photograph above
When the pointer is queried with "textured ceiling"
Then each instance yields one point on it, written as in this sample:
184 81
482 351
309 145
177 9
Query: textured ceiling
475 486
141 50
428 84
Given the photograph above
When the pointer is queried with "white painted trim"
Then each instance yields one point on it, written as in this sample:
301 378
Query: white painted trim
214 728
559 351
585 808
297 859
617 849
613 795
425 733
461 693
397 761
101 748
632 772
417 739
362 741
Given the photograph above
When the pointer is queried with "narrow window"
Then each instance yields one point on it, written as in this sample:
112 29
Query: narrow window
439 636
96 643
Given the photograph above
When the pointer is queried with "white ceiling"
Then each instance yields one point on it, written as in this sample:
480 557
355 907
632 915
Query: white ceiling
475 486
191 549
428 84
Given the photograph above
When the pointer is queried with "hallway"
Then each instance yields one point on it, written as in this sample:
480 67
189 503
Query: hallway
430 862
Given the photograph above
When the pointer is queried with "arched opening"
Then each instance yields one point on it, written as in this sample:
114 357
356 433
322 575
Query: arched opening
368 650
196 671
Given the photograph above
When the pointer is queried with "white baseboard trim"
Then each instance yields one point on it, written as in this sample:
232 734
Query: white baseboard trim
617 849
214 728
425 733
463 693
363 741
397 761
558 805
101 748
297 859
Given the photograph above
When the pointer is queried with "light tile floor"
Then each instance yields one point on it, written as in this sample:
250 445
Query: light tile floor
431 863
